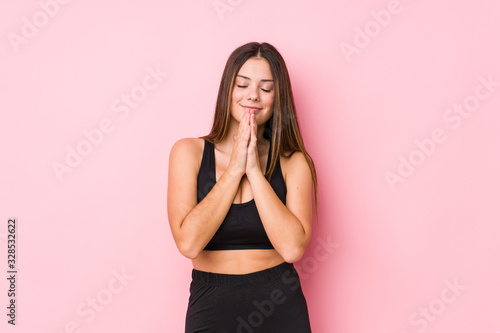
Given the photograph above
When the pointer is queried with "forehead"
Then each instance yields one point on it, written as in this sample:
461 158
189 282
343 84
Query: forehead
256 69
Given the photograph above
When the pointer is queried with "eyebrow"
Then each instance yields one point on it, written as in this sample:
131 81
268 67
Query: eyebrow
245 77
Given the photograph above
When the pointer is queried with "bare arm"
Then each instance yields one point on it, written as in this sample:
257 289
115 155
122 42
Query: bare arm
288 227
194 224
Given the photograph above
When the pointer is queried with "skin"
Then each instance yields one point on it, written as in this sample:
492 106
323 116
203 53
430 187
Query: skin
241 159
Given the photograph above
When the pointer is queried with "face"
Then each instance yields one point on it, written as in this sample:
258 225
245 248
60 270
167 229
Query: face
253 89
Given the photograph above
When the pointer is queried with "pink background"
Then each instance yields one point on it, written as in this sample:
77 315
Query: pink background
396 250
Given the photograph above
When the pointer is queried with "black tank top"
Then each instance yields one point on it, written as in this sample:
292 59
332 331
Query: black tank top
242 227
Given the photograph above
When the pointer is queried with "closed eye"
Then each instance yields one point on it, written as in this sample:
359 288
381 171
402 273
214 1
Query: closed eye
242 86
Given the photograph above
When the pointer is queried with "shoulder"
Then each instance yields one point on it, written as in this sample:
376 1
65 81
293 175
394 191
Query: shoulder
189 144
187 150
294 164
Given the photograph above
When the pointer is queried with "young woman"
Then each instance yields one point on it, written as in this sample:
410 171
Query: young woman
240 202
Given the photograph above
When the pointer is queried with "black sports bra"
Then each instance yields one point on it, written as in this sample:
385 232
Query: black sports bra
242 227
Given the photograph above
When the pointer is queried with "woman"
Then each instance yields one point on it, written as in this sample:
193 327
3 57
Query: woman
240 202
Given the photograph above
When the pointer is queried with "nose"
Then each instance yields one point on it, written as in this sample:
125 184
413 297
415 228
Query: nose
252 95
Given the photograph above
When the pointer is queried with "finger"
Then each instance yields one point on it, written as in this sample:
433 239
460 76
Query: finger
249 115
247 124
241 128
242 121
253 125
253 135
245 121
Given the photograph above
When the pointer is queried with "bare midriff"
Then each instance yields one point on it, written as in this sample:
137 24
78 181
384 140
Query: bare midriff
236 261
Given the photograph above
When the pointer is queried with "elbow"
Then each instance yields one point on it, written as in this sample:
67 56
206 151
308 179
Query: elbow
186 243
188 250
294 251
293 254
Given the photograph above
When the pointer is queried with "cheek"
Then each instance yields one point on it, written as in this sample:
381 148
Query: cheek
236 96
270 100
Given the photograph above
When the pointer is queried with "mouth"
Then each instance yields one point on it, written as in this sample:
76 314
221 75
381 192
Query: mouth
253 108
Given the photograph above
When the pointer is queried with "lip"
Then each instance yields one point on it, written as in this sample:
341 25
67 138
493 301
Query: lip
252 108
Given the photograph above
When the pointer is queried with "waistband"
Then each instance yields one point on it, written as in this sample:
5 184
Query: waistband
270 274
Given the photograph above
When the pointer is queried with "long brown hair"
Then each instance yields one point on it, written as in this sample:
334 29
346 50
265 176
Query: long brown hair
282 129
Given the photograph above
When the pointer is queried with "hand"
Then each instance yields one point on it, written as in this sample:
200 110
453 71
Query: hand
238 159
253 161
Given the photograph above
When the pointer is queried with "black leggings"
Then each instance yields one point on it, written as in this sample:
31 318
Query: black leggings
268 301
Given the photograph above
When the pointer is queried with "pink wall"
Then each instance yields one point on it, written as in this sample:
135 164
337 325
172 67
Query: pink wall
399 104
